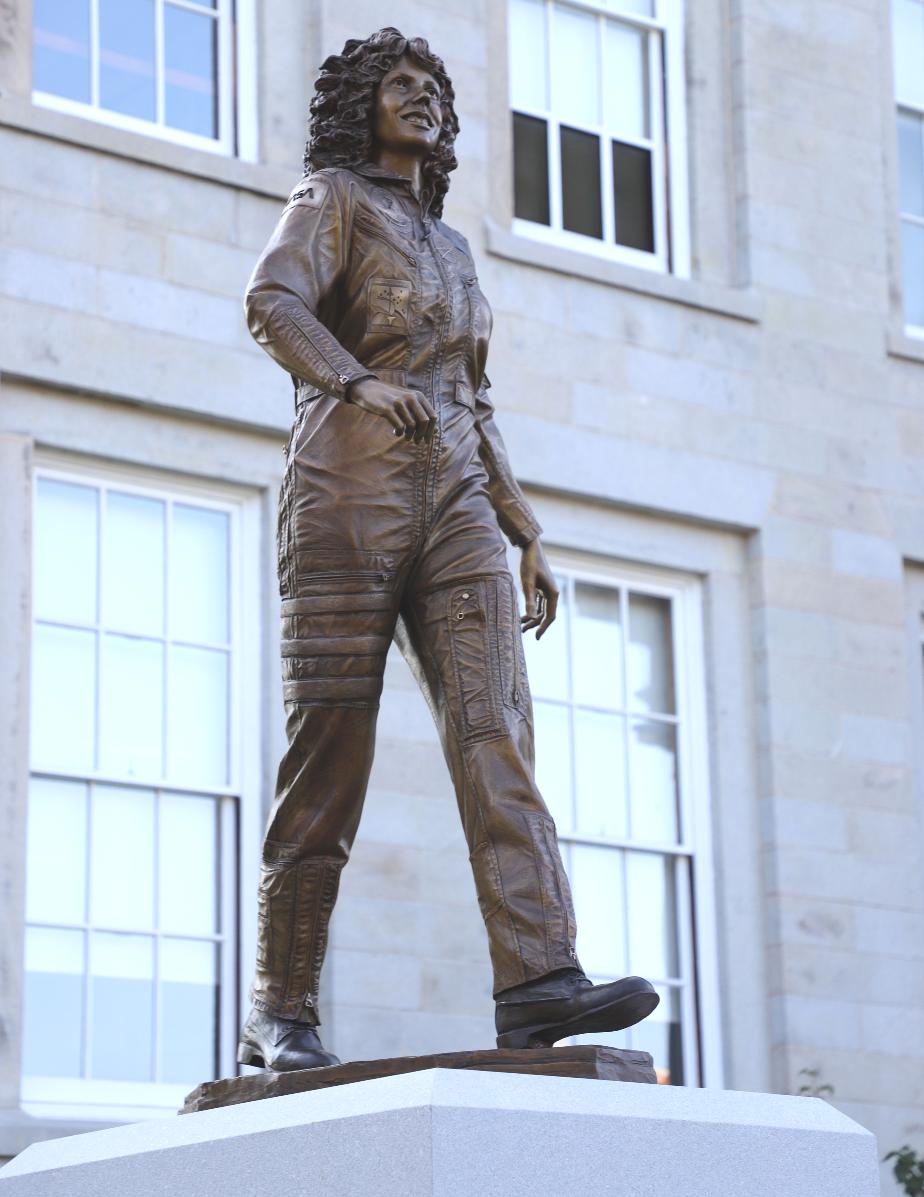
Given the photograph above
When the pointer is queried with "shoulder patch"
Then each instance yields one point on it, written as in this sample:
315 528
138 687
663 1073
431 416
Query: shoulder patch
310 193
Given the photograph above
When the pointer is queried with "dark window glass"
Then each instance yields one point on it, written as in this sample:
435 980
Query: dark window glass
580 183
632 196
61 48
190 95
126 57
530 169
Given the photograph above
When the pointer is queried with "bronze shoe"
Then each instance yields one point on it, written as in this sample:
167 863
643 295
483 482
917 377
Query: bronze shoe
281 1044
539 1013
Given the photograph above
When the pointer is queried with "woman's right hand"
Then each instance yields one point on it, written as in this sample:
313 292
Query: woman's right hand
409 412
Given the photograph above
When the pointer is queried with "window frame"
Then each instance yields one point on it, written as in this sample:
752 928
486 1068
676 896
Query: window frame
238 802
236 84
667 143
700 1006
905 105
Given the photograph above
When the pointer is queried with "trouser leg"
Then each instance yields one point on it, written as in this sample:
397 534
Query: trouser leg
334 646
464 642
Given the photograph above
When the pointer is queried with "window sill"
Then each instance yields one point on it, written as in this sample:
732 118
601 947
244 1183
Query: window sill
107 139
726 301
901 344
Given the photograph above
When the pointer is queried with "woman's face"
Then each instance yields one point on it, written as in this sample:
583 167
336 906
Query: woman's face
408 115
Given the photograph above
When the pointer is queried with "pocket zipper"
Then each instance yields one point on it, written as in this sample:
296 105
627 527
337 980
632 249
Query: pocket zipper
368 226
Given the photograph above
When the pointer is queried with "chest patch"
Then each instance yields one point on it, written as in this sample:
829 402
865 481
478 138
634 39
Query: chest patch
389 302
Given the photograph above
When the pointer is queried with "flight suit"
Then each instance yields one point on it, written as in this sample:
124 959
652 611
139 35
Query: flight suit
380 538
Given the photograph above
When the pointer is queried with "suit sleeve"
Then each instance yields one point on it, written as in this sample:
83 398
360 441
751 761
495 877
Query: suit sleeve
298 270
514 514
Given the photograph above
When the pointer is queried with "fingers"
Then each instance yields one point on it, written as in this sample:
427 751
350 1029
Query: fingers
551 608
414 417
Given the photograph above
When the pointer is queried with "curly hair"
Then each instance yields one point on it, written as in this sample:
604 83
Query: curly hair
341 120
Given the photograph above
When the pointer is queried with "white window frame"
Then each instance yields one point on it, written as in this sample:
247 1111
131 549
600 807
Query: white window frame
236 79
905 103
239 801
667 143
700 1006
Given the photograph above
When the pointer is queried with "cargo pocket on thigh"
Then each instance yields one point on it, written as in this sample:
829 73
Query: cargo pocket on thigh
474 666
514 684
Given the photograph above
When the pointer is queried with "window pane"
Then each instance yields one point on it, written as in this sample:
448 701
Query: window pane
56 855
913 272
122 1007
908 47
122 850
190 91
660 1035
529 69
66 542
197 721
199 555
188 864
133 564
600 774
575 66
645 8
652 915
189 1004
131 707
63 699
911 163
597 650
580 183
126 57
547 659
632 197
626 88
530 169
61 48
650 654
653 781
52 1039
597 885
553 762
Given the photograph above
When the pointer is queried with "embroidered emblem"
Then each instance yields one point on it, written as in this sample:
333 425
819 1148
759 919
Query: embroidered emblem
388 306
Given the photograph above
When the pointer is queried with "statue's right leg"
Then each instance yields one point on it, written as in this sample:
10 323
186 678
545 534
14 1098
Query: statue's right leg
335 638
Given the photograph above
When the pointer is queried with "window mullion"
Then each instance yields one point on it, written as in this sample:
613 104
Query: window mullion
159 59
606 158
94 53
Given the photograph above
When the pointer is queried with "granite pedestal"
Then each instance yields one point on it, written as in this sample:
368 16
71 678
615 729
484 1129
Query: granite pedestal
445 1133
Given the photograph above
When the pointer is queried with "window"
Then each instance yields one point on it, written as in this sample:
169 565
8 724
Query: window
618 704
161 66
596 88
908 42
131 974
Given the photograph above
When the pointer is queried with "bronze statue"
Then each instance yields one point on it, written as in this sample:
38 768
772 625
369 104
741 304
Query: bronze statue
396 489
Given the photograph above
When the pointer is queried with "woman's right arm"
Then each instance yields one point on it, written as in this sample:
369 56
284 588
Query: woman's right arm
303 262
300 266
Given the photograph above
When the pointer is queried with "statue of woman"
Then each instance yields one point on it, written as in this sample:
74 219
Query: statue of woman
396 489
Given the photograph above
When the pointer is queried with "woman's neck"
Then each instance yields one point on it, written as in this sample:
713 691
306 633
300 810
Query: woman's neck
409 166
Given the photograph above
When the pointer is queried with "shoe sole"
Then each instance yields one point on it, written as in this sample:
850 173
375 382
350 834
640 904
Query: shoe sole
249 1055
615 1016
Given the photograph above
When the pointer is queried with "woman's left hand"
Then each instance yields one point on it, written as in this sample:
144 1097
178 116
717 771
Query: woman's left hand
539 589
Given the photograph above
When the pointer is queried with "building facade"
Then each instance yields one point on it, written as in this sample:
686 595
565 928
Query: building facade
701 228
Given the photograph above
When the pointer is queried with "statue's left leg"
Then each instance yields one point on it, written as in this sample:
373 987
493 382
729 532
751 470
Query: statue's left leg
460 632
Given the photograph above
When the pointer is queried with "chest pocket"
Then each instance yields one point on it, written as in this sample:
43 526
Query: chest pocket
388 303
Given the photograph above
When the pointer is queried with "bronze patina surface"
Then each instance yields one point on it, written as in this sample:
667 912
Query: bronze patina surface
587 1063
396 493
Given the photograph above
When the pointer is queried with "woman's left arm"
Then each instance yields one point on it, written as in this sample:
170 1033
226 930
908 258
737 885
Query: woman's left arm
516 519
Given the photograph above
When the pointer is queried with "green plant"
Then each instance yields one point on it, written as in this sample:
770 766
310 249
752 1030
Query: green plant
811 1087
908 1170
